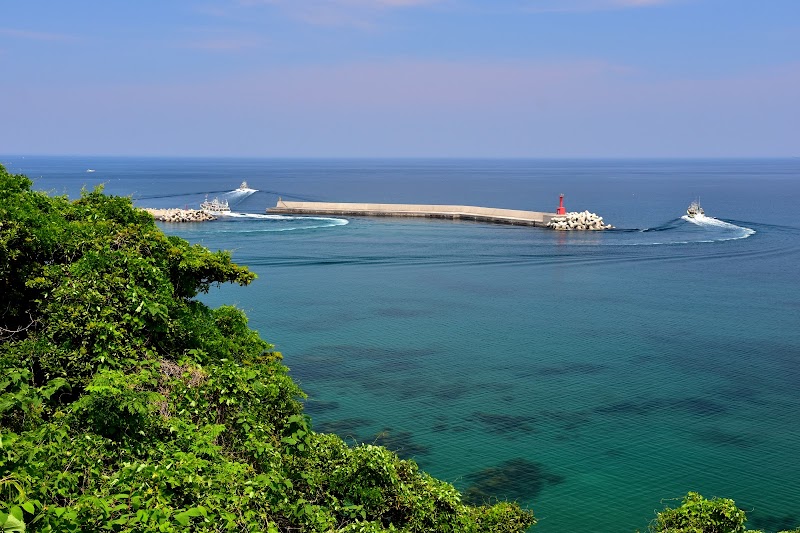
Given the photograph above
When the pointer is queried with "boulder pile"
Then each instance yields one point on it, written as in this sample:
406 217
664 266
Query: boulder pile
578 221
180 215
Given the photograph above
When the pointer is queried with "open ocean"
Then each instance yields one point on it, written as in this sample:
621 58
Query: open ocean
591 376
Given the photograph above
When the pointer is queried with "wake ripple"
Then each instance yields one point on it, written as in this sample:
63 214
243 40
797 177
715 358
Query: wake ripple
740 232
300 223
702 220
237 195
700 229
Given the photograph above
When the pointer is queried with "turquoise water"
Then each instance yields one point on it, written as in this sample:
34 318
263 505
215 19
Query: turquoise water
589 376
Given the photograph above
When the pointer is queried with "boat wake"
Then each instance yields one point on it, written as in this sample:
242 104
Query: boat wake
280 222
683 230
237 195
731 231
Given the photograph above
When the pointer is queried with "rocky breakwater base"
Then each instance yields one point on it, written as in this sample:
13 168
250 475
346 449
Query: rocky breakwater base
180 215
578 221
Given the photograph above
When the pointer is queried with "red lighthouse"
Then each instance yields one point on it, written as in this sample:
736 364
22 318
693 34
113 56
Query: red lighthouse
561 209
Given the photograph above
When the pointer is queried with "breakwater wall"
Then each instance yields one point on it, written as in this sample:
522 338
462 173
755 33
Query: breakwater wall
180 215
453 212
578 221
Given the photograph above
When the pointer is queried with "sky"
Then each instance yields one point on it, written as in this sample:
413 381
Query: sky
401 78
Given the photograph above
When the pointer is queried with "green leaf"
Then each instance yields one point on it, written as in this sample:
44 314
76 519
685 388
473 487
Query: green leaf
16 512
12 525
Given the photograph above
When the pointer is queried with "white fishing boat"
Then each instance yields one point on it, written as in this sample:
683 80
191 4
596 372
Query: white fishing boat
243 187
215 206
695 209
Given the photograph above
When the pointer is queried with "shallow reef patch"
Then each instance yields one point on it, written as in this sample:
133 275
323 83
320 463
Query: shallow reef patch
502 424
513 480
314 407
719 437
346 428
400 442
772 523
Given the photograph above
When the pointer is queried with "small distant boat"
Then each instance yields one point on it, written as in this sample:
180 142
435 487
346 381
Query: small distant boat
695 209
89 170
243 187
215 206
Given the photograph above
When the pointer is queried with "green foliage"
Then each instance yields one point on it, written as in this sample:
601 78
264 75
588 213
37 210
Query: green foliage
116 406
699 515
126 405
12 522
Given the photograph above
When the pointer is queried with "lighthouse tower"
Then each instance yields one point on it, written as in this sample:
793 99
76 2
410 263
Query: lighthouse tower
561 209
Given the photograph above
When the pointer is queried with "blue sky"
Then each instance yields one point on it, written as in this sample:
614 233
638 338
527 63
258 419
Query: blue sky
401 78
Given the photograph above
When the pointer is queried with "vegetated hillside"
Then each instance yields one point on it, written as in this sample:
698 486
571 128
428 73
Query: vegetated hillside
127 405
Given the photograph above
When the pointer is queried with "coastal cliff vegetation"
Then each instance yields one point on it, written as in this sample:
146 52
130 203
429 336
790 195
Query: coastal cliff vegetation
128 405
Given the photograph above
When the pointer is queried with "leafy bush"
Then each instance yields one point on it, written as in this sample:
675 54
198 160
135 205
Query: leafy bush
699 515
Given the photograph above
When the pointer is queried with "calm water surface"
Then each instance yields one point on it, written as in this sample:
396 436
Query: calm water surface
590 376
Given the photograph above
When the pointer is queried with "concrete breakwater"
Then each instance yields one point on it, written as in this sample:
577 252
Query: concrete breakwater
569 221
454 212
578 221
180 215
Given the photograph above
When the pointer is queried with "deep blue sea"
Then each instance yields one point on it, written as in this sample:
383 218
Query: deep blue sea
590 376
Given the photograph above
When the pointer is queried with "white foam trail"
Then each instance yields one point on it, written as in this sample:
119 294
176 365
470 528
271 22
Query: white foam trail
237 195
335 221
717 231
711 222
328 222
